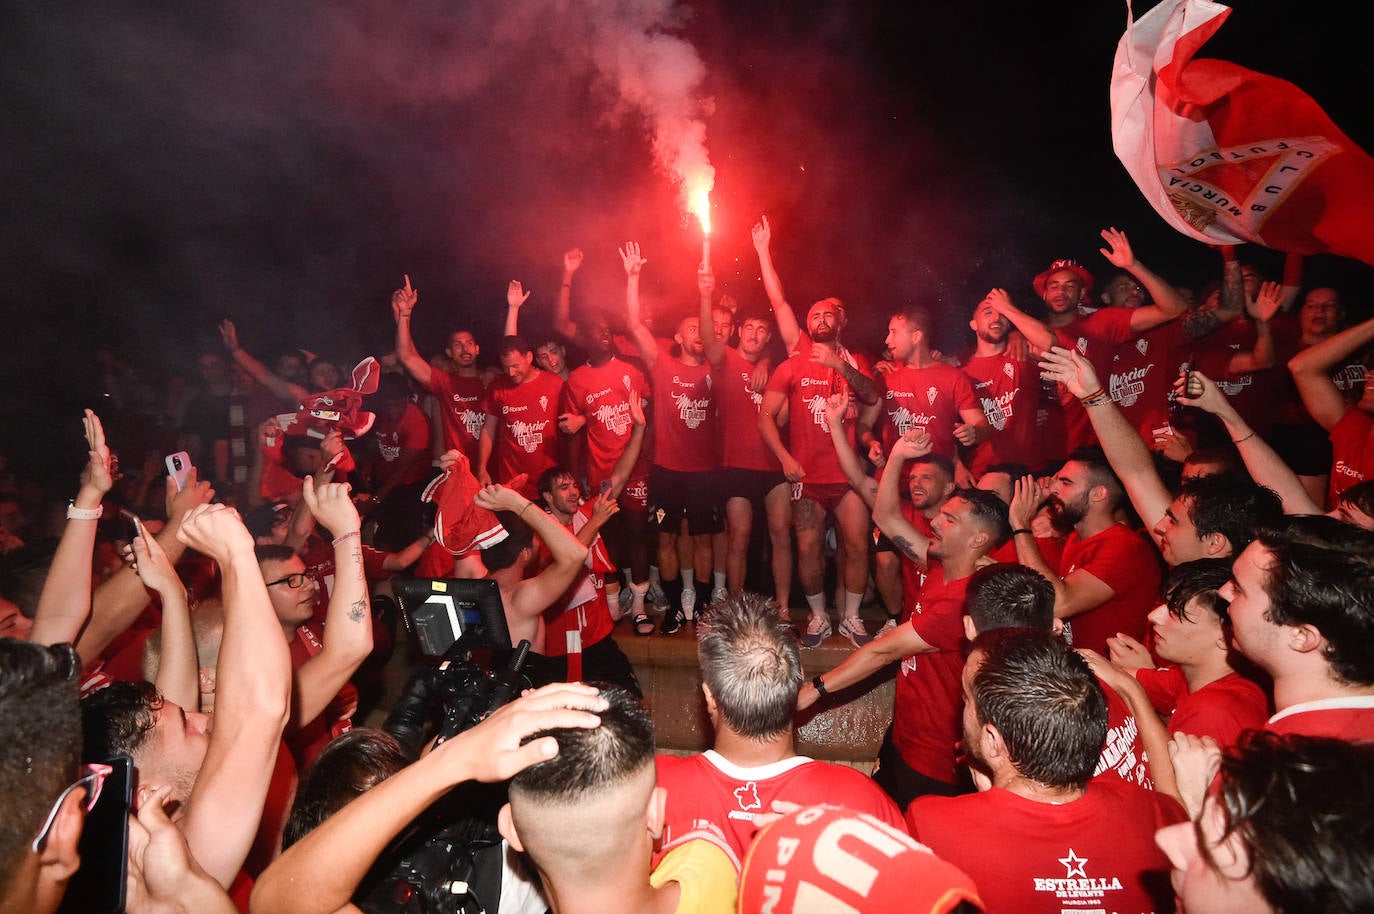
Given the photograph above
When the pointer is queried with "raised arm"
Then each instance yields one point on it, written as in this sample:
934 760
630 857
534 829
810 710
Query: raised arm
252 699
1168 304
348 623
281 388
117 602
178 670
64 605
788 328
515 297
706 287
1264 465
1037 334
562 306
403 302
1154 736
1121 443
887 508
835 408
1075 593
625 463
534 595
634 264
353 838
1310 369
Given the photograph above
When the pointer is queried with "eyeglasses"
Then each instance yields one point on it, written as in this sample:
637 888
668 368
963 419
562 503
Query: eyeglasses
293 580
91 782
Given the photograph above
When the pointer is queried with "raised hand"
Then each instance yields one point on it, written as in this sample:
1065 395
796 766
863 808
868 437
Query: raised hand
98 474
630 257
914 443
229 334
516 294
332 506
500 498
403 300
1070 369
836 405
1118 252
1196 389
706 281
604 508
572 260
1267 302
195 493
153 566
761 234
216 531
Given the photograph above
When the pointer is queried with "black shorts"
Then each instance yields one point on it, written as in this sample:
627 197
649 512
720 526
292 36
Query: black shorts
694 496
736 482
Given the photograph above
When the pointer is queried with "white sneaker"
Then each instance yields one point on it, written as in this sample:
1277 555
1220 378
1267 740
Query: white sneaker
817 630
852 627
719 593
889 626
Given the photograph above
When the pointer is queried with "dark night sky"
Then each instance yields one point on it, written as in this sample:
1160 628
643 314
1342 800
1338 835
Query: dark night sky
283 163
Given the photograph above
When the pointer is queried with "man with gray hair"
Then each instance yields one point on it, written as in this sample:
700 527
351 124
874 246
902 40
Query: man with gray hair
751 672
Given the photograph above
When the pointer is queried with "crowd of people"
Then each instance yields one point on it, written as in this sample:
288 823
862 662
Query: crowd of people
1117 553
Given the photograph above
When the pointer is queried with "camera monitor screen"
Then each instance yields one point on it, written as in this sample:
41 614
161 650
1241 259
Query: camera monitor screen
438 611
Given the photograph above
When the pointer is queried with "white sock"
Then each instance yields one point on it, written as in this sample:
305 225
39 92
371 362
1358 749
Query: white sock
719 577
689 581
817 603
851 604
639 590
653 575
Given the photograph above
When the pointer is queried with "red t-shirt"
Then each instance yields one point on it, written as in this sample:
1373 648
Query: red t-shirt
462 404
601 393
685 430
1252 393
926 724
527 425
1222 709
928 399
1352 451
1140 373
807 385
583 607
1348 718
1008 391
1126 562
307 742
1123 754
1096 853
708 788
410 432
1094 337
738 404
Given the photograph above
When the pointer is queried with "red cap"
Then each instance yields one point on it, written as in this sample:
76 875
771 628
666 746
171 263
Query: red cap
825 859
1073 266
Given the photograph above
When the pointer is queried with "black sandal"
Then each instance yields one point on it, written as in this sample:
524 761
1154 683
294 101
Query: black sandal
643 625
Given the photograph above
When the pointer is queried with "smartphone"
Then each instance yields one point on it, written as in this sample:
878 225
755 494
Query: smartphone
130 524
179 467
1185 372
98 885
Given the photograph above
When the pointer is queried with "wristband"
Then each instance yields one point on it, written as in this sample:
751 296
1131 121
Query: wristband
1096 399
819 684
1019 530
347 536
1087 397
75 513
1233 441
521 515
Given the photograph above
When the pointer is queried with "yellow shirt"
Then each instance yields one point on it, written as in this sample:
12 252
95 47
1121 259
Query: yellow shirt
706 876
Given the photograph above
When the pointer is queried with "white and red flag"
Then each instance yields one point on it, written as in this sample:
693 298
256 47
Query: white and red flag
1230 156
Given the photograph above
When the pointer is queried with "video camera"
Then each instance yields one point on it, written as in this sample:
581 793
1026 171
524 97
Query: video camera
450 859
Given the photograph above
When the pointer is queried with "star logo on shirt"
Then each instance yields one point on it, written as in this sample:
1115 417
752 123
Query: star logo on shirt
1008 370
1074 865
1142 345
748 797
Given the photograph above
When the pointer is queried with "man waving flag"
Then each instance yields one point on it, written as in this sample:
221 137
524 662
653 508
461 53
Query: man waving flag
1231 156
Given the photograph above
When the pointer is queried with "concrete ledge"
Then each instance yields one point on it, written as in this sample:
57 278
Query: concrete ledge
847 727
